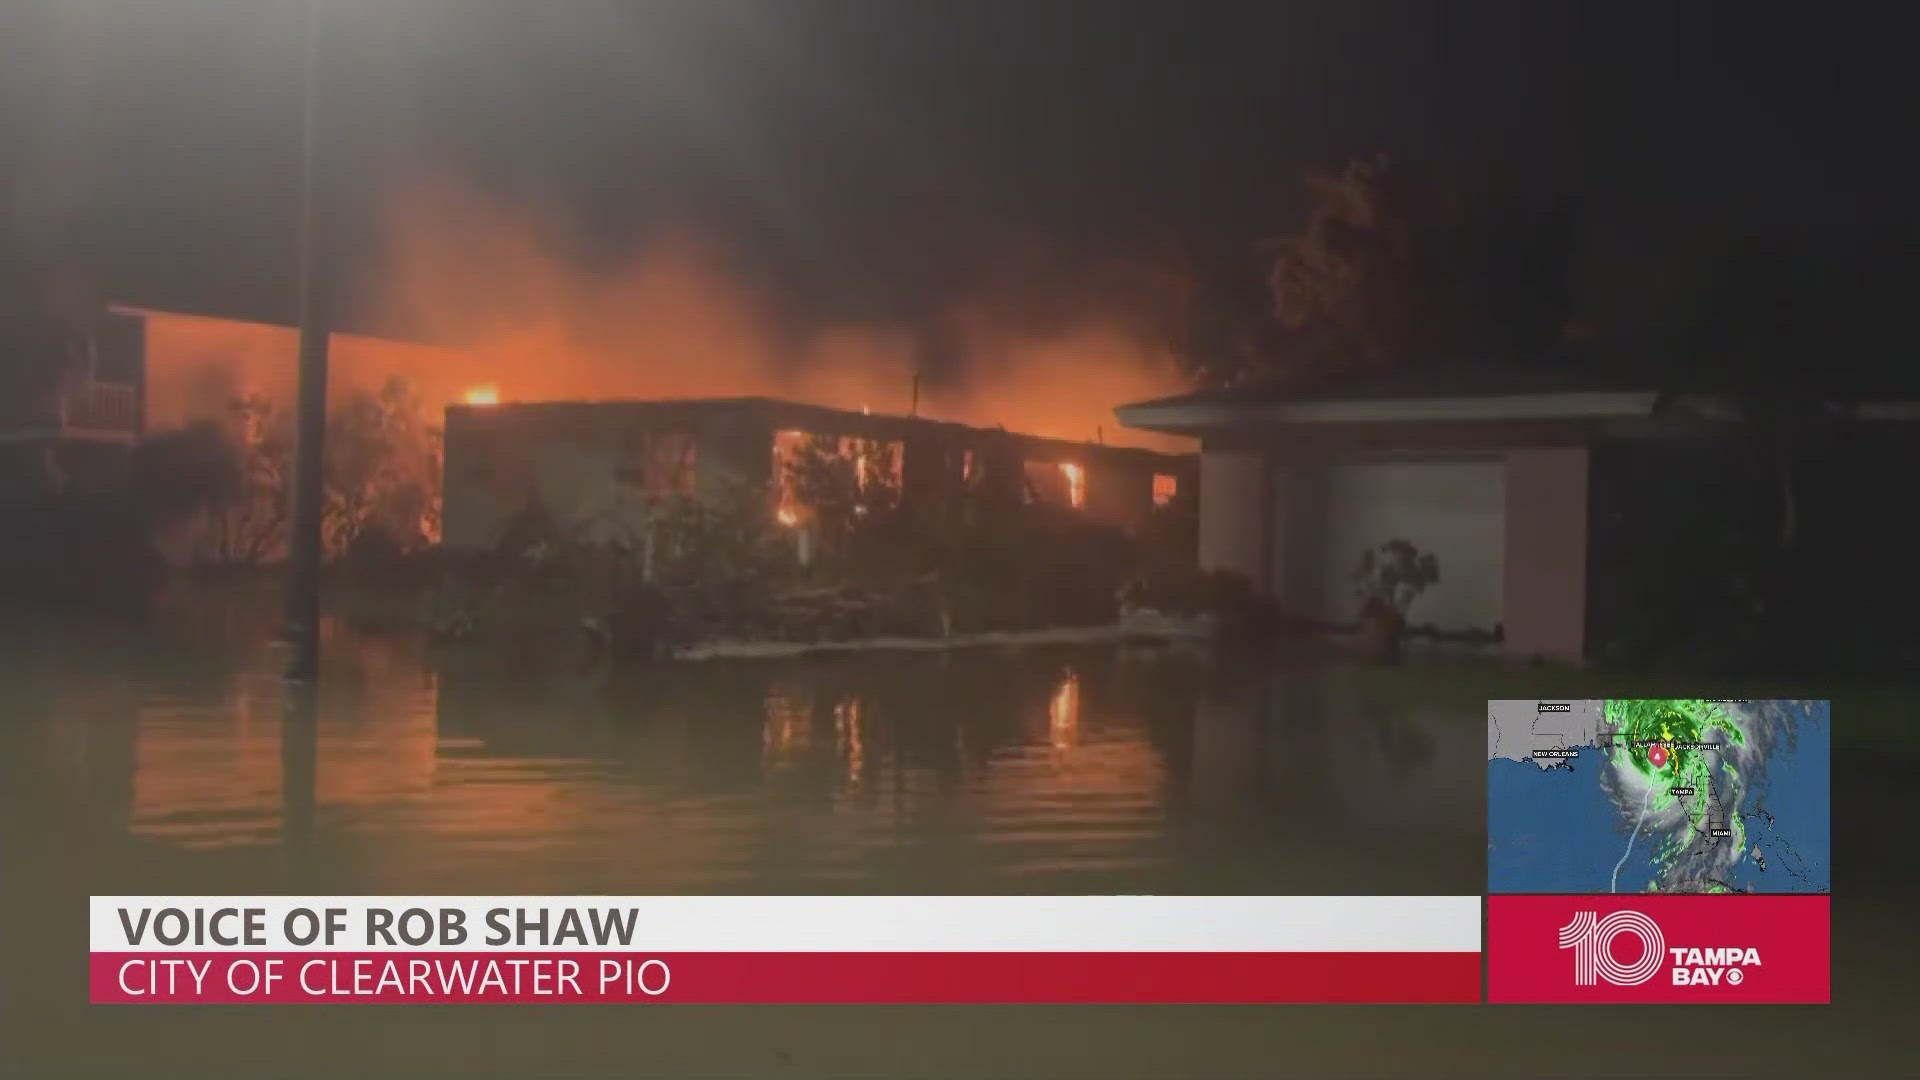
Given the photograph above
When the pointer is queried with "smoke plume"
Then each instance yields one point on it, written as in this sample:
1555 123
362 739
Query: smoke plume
523 309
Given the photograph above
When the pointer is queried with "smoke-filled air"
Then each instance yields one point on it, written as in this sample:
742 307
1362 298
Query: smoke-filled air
500 305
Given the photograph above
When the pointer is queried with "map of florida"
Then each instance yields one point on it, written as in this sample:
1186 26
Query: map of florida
1686 779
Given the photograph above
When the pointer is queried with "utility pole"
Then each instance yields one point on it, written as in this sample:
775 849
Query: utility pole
299 777
303 545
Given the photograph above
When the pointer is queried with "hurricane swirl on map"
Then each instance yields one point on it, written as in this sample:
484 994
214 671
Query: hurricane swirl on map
1658 794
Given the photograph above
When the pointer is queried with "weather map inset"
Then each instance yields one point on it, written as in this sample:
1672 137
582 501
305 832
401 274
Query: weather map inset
1668 795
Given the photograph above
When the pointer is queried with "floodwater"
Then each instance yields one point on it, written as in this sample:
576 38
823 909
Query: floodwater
168 758
1052 770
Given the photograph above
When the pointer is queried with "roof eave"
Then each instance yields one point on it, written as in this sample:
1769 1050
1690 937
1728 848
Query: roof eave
1196 417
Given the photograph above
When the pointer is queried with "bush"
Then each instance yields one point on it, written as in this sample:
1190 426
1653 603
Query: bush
717 560
720 565
1390 577
228 481
1237 609
1036 566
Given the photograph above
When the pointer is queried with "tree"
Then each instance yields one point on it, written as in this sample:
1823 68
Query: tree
185 471
224 481
1786 552
383 470
1393 269
1217 316
383 462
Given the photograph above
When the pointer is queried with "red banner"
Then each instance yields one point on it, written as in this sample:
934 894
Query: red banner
783 977
1659 948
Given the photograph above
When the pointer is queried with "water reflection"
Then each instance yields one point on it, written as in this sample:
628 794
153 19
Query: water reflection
1063 714
1096 770
299 771
152 761
849 740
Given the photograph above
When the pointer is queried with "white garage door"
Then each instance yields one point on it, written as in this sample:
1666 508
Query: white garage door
1455 508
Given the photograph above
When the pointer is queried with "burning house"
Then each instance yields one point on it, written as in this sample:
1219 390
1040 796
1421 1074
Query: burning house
597 466
86 390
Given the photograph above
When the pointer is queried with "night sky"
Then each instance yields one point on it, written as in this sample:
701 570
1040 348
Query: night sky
873 159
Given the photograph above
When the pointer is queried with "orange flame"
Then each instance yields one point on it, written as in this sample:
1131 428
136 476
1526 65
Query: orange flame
788 516
1076 483
497 287
482 395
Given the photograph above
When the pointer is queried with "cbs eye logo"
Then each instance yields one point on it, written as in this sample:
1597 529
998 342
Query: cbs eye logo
1591 939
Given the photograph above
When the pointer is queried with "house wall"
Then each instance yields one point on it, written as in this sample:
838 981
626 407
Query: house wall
582 487
1233 513
577 462
1118 494
584 473
1546 553
931 469
1299 558
732 449
488 477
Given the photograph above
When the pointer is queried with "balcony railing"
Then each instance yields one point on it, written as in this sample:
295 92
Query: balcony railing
101 407
82 410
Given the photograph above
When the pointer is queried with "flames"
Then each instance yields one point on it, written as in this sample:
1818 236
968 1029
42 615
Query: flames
1076 484
502 293
679 317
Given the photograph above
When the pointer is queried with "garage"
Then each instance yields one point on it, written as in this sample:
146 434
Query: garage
1326 514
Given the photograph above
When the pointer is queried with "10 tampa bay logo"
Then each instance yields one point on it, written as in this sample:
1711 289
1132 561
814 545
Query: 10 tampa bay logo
1592 938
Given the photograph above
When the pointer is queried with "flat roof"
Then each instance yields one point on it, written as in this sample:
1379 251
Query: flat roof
780 413
1463 393
1459 394
1434 380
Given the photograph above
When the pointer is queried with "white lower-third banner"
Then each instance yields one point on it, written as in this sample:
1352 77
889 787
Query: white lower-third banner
785 949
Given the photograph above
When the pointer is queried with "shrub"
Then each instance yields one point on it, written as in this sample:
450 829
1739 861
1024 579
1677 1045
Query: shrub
1237 609
1392 576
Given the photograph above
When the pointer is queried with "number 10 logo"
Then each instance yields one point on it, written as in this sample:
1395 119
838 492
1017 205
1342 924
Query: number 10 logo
1591 939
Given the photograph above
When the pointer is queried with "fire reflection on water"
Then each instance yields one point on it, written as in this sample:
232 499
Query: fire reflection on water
787 733
850 739
892 772
212 777
1063 714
